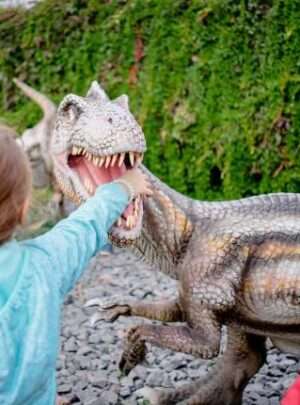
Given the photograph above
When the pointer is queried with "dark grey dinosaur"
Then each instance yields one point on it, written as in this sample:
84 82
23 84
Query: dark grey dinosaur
237 263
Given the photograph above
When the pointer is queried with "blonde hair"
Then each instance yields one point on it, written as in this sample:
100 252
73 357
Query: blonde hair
15 184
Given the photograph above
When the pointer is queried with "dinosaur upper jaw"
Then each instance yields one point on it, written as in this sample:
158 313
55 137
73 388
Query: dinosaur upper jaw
85 172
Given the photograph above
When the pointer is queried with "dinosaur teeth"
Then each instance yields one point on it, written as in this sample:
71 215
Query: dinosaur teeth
129 222
107 161
131 158
75 150
139 158
121 159
88 185
89 156
135 158
136 206
113 160
119 222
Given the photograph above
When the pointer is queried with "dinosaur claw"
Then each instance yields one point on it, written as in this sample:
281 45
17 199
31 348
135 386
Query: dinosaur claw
122 366
94 302
94 319
107 303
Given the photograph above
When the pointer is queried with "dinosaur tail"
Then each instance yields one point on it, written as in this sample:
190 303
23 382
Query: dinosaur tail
40 99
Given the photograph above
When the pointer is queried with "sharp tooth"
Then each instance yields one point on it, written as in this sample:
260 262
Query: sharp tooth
139 158
121 159
114 158
131 158
86 184
136 205
132 222
79 151
107 161
119 223
89 156
102 160
128 221
95 160
73 150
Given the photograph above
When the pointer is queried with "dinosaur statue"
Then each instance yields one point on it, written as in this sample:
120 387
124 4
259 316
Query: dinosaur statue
35 141
236 262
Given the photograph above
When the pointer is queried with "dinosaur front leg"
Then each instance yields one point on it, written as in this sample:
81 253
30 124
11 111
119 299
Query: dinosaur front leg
160 310
225 382
202 342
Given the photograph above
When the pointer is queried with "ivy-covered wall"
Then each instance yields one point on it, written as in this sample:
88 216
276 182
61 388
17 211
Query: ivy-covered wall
215 84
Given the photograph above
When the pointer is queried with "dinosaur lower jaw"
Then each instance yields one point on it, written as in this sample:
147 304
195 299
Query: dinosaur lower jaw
89 172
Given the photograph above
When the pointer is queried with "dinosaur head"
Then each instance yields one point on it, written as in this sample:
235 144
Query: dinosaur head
95 141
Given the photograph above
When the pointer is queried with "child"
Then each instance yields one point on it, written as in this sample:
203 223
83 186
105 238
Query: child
36 274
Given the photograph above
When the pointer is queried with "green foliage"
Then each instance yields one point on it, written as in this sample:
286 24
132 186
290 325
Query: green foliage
215 84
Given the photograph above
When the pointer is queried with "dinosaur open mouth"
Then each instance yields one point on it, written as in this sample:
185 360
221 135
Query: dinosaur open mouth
93 171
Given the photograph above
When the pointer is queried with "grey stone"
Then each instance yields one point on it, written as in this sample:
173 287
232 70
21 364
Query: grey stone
108 398
84 350
70 345
64 388
96 337
154 379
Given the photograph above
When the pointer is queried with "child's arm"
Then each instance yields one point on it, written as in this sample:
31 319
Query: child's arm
73 241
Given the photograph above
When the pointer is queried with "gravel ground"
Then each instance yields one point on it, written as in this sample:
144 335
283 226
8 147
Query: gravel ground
87 365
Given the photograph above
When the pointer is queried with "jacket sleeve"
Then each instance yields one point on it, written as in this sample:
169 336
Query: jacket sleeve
74 241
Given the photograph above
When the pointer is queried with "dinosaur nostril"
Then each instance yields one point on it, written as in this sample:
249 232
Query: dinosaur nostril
110 120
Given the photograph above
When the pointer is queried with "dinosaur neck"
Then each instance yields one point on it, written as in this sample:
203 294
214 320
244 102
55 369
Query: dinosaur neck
167 228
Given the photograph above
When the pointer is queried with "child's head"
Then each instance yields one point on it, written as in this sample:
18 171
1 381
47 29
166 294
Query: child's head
15 185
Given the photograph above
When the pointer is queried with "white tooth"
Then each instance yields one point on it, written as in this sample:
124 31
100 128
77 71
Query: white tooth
119 223
79 150
86 183
128 221
121 159
136 206
107 161
102 160
140 158
131 158
90 157
95 160
114 158
73 150
132 221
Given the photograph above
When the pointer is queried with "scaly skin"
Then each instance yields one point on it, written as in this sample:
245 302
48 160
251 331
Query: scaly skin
237 264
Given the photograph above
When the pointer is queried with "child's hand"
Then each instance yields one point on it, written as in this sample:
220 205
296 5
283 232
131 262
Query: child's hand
137 182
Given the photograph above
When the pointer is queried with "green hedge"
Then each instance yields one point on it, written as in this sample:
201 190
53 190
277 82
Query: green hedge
215 84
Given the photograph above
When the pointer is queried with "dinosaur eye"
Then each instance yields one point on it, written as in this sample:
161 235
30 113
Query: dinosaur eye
110 120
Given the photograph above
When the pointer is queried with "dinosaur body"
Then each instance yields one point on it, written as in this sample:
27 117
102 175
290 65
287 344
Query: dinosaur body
237 264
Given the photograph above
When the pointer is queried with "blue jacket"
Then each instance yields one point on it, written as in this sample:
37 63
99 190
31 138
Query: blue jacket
35 275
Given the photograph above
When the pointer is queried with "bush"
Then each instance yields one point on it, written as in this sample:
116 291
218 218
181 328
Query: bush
215 84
